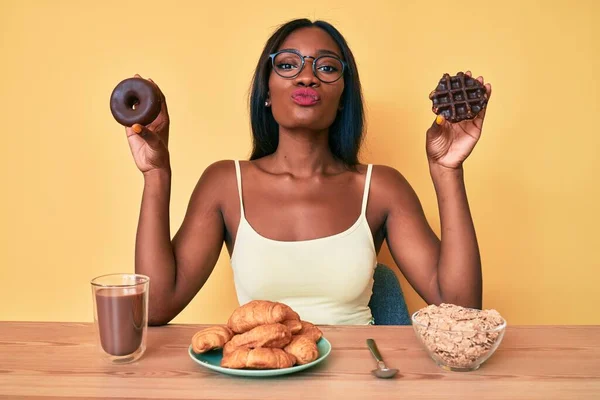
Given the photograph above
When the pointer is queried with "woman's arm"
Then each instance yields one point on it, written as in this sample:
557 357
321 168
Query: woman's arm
446 269
179 268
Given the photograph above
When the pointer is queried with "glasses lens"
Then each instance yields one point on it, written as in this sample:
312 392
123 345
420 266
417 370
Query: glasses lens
287 64
329 69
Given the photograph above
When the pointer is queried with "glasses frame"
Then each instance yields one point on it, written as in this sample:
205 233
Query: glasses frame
314 64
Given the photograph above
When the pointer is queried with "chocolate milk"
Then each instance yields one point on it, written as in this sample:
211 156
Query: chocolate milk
120 320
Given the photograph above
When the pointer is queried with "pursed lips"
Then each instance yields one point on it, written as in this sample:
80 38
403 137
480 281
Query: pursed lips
305 97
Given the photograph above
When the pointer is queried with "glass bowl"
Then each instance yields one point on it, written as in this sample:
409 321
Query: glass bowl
457 346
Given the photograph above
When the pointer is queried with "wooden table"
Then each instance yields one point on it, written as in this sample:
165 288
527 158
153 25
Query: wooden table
60 361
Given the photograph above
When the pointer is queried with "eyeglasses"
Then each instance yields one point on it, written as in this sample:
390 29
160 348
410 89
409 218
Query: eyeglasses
290 63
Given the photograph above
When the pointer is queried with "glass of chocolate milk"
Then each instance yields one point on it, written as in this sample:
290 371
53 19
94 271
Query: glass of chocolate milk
121 315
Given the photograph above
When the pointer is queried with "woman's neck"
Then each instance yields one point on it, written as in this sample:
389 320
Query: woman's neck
304 153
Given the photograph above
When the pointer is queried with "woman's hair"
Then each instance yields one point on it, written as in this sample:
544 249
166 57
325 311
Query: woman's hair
346 132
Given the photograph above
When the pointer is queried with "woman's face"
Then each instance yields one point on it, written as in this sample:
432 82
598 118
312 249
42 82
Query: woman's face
304 102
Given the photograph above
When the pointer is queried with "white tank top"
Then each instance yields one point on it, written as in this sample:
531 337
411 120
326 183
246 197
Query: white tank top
327 281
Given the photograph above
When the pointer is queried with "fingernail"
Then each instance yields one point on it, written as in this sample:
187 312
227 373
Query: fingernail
137 128
439 120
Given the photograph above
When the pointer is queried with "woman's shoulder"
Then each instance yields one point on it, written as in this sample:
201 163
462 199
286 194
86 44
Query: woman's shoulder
389 183
386 175
218 170
216 184
218 175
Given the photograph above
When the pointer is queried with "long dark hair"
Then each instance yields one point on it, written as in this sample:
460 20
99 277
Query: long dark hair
346 132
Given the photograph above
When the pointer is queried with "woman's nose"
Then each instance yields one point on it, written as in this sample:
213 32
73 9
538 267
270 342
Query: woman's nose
306 76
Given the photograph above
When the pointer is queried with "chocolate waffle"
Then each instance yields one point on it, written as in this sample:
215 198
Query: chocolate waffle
458 97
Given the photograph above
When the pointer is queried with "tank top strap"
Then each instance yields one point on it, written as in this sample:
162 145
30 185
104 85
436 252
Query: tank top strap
367 186
238 176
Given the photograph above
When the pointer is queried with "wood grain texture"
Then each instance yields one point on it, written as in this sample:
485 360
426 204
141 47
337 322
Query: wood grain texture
61 361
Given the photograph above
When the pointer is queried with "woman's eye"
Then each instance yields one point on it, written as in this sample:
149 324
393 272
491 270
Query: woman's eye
328 68
286 66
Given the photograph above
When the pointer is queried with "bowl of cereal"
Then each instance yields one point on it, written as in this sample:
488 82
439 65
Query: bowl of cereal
458 338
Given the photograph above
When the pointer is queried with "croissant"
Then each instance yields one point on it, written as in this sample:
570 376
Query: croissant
229 348
272 335
303 348
291 314
310 331
293 325
259 358
211 338
259 312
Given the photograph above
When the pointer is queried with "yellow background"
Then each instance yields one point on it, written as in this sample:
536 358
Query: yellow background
71 192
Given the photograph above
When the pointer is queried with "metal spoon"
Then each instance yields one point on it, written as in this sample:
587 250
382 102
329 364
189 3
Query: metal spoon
382 371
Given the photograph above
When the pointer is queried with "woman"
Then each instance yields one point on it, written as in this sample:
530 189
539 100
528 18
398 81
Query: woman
303 220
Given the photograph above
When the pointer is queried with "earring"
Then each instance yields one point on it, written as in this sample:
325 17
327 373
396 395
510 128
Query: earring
267 103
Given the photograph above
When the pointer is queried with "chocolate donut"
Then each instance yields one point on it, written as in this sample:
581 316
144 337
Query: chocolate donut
135 101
